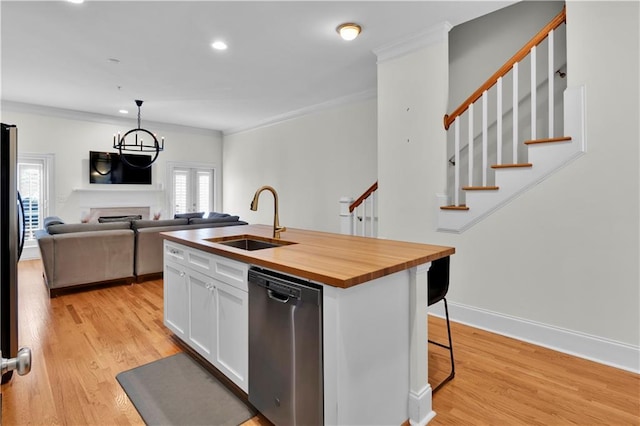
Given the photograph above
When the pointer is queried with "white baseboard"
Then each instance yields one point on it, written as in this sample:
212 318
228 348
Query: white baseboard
598 349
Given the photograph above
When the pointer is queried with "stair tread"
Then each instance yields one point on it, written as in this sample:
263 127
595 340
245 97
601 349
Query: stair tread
548 140
480 188
461 207
507 166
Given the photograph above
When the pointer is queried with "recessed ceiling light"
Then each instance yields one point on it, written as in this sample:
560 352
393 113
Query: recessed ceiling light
349 31
123 111
76 1
219 45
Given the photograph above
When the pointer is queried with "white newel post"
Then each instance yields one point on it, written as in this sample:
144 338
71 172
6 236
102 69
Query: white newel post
346 217
420 408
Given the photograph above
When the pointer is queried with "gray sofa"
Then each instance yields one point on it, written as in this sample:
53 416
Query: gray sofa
98 253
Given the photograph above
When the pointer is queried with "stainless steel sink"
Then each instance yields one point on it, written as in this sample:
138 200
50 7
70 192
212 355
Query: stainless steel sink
251 244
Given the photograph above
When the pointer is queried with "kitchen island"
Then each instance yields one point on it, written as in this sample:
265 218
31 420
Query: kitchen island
374 319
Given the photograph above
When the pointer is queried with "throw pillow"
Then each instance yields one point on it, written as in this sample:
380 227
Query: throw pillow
52 220
187 215
214 215
119 219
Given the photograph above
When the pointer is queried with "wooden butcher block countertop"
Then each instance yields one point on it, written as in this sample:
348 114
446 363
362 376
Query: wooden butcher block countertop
334 259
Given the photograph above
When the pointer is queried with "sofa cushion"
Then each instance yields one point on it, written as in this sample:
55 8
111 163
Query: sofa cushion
145 223
64 228
213 215
188 215
195 221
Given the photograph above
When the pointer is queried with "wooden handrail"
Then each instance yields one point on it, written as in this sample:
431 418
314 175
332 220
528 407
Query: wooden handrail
522 53
363 197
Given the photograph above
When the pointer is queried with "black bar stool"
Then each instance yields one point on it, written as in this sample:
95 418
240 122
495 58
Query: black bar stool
438 285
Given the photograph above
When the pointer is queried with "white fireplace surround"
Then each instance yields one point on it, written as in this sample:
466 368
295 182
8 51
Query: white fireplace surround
94 203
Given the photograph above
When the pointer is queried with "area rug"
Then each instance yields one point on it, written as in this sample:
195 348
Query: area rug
178 391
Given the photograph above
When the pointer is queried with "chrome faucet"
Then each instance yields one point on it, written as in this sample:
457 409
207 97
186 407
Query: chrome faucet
277 229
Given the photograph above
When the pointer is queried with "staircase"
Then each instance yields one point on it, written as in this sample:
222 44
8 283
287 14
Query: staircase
360 217
491 186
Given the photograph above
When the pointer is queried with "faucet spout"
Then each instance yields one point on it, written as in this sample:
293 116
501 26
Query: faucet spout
277 229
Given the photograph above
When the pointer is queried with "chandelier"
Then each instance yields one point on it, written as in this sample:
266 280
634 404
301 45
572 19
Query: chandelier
133 141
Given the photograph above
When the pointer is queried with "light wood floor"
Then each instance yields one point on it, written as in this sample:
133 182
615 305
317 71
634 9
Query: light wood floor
80 341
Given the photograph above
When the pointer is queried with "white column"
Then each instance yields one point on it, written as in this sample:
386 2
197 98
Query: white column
420 407
346 220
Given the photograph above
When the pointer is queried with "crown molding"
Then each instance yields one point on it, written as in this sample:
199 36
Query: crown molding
433 35
99 118
344 100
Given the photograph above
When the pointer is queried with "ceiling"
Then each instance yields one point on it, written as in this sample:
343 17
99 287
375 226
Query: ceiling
100 56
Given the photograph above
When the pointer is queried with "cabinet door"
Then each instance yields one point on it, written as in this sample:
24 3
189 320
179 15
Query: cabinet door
232 333
175 298
201 317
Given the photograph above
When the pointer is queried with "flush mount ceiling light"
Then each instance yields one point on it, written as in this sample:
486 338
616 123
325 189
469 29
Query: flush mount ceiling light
136 143
349 31
76 1
219 45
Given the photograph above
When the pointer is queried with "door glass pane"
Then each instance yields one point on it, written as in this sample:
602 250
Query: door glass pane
30 186
180 190
192 190
204 191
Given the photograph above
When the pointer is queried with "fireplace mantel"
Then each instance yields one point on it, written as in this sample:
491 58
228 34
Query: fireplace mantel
128 190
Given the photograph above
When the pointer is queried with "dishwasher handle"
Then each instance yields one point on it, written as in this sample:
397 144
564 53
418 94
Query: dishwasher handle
282 298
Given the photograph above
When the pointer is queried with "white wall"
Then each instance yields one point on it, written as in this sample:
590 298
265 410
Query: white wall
412 95
311 161
71 135
566 253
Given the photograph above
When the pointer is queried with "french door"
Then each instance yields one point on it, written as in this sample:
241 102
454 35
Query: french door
192 189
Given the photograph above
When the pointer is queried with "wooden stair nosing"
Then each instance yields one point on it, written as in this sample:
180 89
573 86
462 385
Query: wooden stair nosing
461 207
480 188
509 166
548 140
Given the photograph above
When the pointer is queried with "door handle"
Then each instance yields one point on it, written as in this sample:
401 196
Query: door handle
21 363
277 296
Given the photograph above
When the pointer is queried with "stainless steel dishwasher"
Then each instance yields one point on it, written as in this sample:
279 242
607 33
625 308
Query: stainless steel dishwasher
285 348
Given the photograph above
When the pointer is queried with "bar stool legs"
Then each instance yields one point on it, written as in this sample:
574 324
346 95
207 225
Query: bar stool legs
449 348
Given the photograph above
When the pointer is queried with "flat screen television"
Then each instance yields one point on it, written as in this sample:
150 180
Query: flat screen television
108 168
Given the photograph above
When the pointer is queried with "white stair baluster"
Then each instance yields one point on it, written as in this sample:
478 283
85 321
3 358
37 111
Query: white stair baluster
456 178
485 134
354 226
470 145
534 103
515 113
373 216
551 81
499 121
364 218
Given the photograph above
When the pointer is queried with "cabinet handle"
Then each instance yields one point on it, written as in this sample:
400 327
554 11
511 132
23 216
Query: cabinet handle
182 273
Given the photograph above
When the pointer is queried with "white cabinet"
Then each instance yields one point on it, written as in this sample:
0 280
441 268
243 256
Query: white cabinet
231 333
201 313
176 303
206 305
